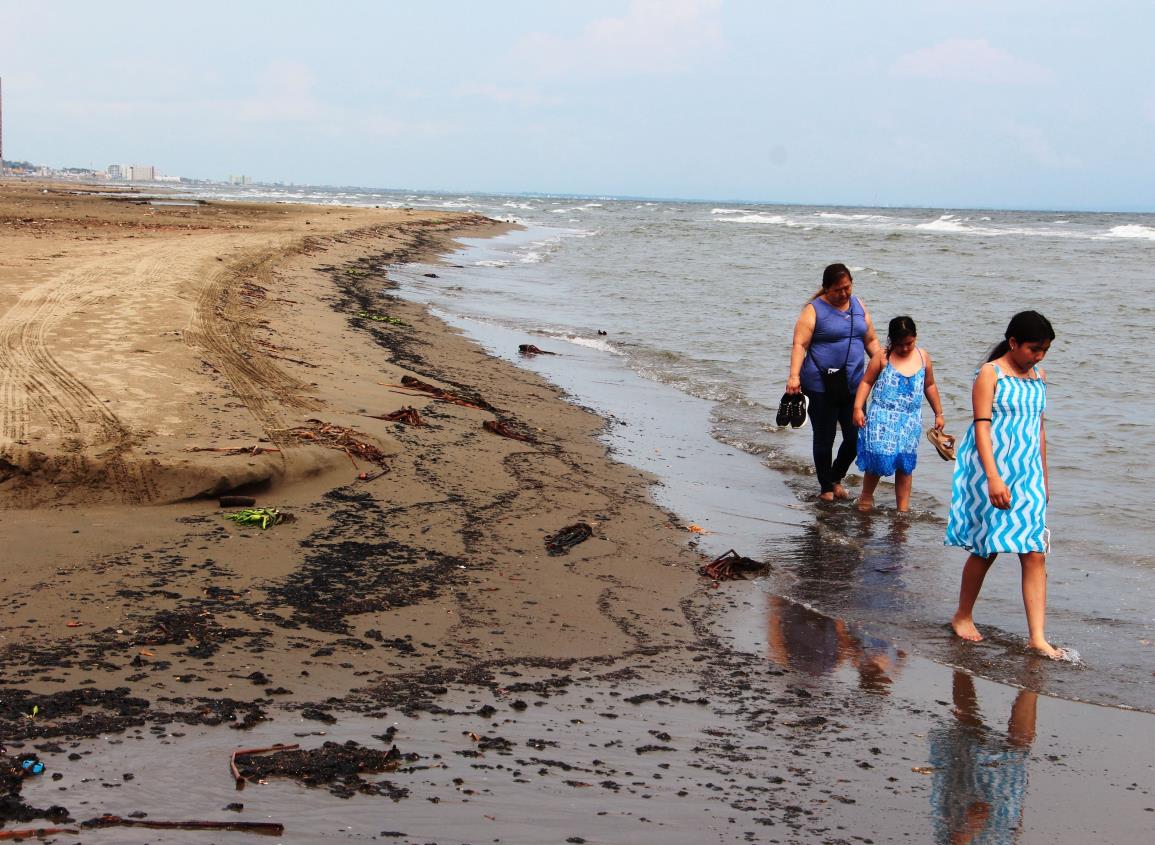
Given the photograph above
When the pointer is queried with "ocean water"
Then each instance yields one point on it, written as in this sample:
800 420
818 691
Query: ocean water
701 298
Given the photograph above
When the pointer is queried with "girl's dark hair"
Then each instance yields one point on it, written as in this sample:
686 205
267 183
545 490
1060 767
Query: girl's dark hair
900 329
1025 327
831 276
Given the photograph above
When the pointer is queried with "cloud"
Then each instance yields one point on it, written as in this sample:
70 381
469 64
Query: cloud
284 94
1037 146
970 60
283 99
655 36
507 96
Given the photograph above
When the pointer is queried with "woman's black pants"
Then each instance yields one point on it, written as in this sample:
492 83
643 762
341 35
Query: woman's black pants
826 419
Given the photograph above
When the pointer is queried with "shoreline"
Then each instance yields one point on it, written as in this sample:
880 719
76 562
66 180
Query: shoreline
420 596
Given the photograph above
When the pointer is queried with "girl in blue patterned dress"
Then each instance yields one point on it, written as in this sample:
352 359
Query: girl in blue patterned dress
1000 491
888 434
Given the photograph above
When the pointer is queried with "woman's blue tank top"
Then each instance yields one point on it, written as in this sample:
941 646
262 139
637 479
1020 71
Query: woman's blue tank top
828 344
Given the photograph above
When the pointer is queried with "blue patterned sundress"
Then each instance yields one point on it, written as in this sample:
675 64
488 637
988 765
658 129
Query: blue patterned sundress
974 523
888 443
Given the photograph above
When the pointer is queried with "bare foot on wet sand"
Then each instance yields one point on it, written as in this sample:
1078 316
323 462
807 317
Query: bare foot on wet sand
1045 649
826 497
965 629
865 504
840 492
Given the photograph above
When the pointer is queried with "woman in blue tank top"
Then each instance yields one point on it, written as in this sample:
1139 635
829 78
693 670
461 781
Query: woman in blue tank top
834 331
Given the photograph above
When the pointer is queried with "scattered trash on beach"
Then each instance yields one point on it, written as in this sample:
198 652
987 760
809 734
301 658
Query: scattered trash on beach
237 501
348 440
731 566
245 752
568 537
407 415
530 349
411 383
234 450
501 427
338 766
382 318
262 517
697 529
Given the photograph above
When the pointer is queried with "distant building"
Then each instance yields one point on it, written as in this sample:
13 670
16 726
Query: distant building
132 172
240 180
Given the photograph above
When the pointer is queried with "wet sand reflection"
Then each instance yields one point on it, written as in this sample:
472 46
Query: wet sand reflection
803 639
980 775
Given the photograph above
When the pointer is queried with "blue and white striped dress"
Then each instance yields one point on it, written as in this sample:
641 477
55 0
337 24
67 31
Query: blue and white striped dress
976 524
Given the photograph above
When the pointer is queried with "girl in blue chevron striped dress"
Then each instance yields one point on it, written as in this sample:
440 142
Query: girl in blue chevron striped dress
888 434
1000 491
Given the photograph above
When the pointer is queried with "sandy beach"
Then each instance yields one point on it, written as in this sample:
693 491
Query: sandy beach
156 355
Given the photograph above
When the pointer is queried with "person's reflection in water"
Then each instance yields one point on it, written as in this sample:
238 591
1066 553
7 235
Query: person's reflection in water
804 639
980 776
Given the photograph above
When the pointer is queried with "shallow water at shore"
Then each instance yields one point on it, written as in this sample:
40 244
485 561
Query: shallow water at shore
885 571
701 299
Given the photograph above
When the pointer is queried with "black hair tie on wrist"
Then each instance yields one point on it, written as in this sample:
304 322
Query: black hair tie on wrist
983 419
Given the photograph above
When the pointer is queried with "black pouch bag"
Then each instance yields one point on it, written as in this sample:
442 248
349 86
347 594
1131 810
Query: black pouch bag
837 386
835 381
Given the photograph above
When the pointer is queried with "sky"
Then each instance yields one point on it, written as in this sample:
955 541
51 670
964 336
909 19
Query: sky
938 103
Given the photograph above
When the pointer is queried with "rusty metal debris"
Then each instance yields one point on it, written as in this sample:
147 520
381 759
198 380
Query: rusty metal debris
36 832
730 566
266 828
530 349
407 415
501 427
568 537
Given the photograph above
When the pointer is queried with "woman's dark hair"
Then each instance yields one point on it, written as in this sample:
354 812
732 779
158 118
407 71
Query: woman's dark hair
831 276
900 329
1025 327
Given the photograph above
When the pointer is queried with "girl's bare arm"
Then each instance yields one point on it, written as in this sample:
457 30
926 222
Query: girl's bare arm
1043 447
982 402
865 386
930 390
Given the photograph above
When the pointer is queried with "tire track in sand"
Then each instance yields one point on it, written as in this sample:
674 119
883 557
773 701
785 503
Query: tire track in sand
223 327
36 389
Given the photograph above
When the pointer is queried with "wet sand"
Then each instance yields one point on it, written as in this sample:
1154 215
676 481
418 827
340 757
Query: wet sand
144 637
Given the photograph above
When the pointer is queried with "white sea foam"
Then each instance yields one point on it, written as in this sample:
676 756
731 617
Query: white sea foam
729 211
520 205
835 215
491 262
592 343
946 223
532 258
1132 230
775 219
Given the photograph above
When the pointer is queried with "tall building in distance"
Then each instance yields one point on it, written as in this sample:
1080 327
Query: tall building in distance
132 172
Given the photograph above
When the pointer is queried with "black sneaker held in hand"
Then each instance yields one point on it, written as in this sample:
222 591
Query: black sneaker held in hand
785 409
798 410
